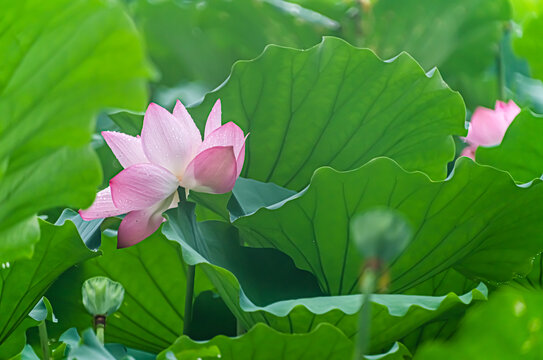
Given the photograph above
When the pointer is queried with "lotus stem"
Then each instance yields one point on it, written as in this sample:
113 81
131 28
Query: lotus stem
44 340
100 327
189 294
368 284
240 330
500 68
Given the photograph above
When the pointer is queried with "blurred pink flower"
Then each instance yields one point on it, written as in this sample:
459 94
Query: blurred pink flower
170 153
487 127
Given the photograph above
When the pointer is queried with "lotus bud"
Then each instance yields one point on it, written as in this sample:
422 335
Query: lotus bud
102 296
380 235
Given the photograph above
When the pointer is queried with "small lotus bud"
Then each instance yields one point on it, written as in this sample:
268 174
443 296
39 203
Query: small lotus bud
381 234
102 296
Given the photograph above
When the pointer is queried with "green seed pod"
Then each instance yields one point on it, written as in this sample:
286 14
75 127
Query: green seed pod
380 234
102 296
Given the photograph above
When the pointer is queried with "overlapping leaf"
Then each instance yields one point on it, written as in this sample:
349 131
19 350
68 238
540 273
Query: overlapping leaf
444 326
24 282
466 223
534 279
520 152
507 327
336 105
153 276
62 62
393 316
460 37
264 343
457 36
210 36
525 9
245 276
88 347
17 339
529 45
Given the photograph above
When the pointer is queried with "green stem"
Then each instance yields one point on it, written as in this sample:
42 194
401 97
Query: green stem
500 68
44 340
240 330
100 330
189 294
368 285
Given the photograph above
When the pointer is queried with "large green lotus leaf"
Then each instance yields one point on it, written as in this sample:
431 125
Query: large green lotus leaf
264 343
208 37
441 327
458 36
62 62
507 327
336 105
393 316
152 313
478 222
529 45
526 9
534 279
336 10
24 282
255 194
268 275
153 276
88 347
521 151
17 340
288 300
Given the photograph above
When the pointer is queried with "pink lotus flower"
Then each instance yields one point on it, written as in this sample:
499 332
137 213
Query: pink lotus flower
487 127
170 153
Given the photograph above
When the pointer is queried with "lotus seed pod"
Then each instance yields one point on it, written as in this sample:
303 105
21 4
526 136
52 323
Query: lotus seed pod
102 296
380 234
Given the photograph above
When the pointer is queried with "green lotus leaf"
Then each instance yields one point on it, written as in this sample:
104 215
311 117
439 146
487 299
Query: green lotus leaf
62 63
153 276
525 9
460 37
88 347
24 282
17 340
203 52
442 327
529 45
336 105
244 278
534 279
520 151
90 231
151 314
393 316
264 343
457 36
465 223
507 327
255 194
354 101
